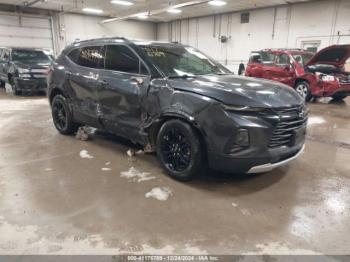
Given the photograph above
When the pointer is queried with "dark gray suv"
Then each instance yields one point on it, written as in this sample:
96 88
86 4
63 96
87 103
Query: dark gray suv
25 69
178 102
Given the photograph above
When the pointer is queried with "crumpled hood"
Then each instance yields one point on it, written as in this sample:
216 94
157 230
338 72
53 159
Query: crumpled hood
332 55
240 91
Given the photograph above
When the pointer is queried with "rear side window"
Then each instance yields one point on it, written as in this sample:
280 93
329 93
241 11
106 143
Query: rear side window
91 56
121 58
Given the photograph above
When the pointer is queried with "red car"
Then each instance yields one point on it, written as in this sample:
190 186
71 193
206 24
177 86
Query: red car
312 75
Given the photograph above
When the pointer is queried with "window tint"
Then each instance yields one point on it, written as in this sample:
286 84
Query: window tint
91 56
121 58
181 60
283 59
73 55
29 55
302 58
255 57
268 58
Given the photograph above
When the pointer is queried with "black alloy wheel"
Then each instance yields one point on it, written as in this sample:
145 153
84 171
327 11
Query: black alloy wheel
179 150
62 117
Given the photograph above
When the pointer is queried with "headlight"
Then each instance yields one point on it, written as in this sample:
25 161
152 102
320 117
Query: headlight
242 108
23 70
24 75
327 78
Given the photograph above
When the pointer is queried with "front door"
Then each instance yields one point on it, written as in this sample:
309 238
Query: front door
282 71
123 88
268 64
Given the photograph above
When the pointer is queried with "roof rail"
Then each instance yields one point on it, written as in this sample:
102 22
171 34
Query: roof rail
99 38
285 49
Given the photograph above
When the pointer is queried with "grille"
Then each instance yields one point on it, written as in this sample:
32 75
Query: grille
39 73
291 119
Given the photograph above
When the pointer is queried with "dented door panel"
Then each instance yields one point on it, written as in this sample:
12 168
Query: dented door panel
83 84
120 99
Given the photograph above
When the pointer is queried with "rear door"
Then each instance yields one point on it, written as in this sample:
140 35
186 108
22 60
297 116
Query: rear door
123 86
83 83
268 64
255 65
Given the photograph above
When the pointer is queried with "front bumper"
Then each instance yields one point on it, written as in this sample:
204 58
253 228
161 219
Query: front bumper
270 166
31 85
264 162
344 90
262 154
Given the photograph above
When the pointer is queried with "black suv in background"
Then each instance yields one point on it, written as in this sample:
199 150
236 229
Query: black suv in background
177 101
25 69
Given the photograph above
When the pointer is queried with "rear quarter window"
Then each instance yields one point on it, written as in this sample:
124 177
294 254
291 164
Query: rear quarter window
73 55
255 57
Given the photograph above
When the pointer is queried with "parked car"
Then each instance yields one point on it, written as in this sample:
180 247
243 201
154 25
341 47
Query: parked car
312 75
25 69
177 101
2 84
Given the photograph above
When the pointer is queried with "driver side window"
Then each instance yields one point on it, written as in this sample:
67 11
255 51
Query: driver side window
268 58
283 60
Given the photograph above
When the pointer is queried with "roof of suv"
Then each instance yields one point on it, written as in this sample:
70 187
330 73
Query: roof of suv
121 40
287 50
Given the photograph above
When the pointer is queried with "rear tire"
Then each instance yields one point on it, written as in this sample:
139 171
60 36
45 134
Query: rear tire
303 89
62 116
15 90
179 150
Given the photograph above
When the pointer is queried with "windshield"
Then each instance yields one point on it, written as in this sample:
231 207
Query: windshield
177 61
302 59
29 56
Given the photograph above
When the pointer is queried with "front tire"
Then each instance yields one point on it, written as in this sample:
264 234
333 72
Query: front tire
303 89
15 90
62 117
179 150
338 97
2 84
